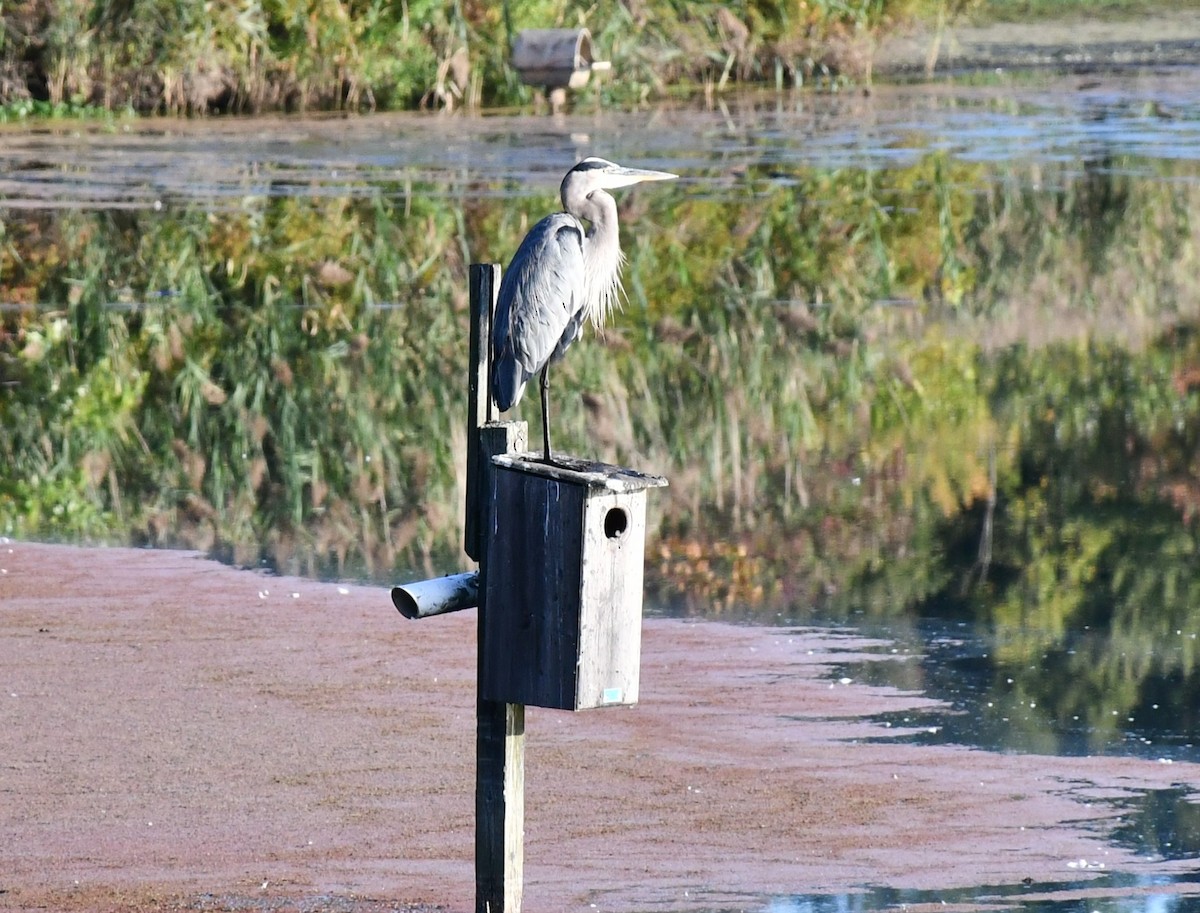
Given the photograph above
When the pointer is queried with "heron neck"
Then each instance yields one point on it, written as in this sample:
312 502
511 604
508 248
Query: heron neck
601 252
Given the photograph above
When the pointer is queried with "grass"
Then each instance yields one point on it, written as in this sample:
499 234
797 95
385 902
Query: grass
187 57
190 57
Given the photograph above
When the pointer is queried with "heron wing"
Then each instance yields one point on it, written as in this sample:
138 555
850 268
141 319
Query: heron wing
539 311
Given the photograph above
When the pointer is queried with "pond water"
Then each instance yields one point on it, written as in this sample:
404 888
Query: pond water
995 704
1108 894
1127 124
922 363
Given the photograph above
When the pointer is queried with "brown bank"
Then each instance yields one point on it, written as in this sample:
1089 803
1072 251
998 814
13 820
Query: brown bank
177 734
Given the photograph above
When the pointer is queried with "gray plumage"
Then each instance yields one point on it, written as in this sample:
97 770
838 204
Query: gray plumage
564 274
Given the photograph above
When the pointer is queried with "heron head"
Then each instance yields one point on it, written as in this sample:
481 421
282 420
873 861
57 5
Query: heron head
595 173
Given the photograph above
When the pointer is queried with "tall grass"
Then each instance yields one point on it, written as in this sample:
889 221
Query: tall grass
190 56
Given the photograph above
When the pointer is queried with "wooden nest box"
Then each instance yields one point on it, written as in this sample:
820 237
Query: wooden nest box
556 58
565 553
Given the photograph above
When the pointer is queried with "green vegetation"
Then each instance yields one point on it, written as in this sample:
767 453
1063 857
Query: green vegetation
189 56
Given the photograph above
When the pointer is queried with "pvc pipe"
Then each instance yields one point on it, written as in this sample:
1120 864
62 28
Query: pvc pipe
423 598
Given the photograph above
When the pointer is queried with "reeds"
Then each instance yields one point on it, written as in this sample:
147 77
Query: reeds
192 57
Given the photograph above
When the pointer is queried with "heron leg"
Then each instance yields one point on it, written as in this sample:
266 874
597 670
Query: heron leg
545 386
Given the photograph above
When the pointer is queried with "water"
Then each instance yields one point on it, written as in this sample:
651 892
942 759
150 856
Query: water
986 705
975 231
1126 123
1028 707
1108 894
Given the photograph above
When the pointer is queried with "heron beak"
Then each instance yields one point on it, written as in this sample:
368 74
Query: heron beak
625 177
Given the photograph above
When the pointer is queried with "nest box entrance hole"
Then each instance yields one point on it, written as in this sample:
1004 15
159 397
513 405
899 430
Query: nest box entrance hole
616 521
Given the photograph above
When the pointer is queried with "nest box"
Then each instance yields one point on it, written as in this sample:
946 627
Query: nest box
565 554
555 58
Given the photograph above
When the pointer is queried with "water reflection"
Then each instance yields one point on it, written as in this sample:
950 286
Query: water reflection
1027 706
1111 893
1129 123
1163 823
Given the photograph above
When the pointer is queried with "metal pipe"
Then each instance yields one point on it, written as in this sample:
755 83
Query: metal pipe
423 598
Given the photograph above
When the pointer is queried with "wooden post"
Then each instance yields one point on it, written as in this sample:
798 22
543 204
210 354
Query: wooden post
577 626
499 726
485 282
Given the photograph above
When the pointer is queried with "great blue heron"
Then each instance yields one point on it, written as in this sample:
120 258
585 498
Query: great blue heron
562 275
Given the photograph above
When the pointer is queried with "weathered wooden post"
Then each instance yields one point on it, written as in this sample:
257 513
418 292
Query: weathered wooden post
499 725
559 590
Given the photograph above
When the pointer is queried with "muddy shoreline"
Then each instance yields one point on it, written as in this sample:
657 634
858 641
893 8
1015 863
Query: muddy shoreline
183 735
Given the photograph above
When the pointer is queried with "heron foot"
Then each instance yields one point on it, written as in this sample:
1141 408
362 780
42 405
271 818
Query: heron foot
546 459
